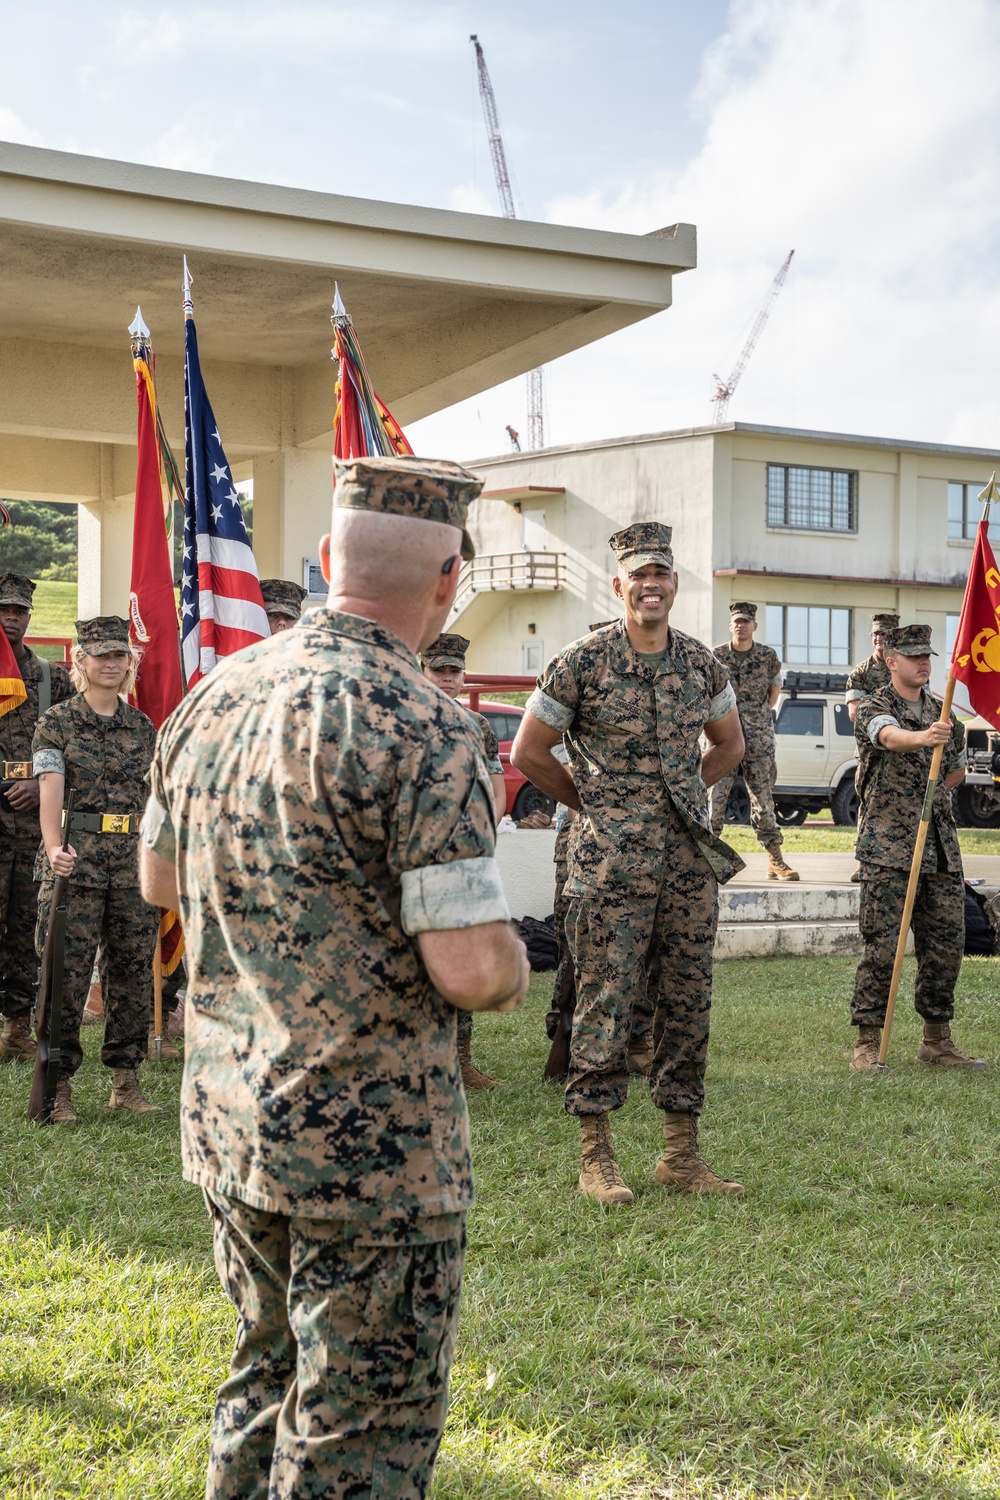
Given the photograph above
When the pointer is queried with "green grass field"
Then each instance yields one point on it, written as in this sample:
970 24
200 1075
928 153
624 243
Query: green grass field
54 612
833 1335
824 837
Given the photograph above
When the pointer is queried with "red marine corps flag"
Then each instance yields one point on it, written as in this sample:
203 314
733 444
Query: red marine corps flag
152 608
976 658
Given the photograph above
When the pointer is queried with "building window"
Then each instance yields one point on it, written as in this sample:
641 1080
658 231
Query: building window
812 499
809 635
964 511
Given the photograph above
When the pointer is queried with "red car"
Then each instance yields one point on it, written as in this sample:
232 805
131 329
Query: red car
523 797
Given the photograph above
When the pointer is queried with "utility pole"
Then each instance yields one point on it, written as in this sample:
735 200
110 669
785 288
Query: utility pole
536 386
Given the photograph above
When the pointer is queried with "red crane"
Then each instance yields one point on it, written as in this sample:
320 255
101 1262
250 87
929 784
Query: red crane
725 388
536 388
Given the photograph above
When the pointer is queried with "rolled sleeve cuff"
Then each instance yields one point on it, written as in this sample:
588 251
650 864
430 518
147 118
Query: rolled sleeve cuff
960 760
776 680
723 703
157 831
555 715
464 893
880 722
48 760
853 695
495 766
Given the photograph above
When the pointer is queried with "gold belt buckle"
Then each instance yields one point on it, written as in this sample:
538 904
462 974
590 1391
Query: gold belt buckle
115 822
17 770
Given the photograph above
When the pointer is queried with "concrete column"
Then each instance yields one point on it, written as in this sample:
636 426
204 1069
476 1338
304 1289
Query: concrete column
292 499
104 532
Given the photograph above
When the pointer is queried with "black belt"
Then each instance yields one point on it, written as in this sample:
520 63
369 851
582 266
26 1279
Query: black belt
84 822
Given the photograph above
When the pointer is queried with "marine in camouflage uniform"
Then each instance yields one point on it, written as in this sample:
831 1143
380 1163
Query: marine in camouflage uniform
755 673
45 684
325 806
644 865
892 782
443 663
872 674
105 760
282 603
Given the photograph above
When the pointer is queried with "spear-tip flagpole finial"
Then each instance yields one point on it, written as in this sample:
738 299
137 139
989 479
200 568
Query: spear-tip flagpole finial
187 284
339 310
140 333
990 495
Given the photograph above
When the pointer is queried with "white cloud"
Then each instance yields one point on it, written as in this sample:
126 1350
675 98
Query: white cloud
13 128
867 136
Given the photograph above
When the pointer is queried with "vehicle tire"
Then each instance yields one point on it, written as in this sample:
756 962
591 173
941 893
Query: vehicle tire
791 817
738 806
977 807
844 804
530 800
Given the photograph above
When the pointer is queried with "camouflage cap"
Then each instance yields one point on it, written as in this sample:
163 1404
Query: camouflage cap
425 489
282 597
883 621
743 611
446 651
16 589
909 640
102 635
642 544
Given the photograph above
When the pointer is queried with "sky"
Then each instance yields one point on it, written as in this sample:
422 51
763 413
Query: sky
863 134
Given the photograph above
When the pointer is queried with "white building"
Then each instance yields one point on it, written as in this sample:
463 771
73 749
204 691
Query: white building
819 529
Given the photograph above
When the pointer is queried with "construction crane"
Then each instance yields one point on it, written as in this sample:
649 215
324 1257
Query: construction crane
536 387
725 388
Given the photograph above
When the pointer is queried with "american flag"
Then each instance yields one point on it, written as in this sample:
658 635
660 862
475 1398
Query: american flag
221 605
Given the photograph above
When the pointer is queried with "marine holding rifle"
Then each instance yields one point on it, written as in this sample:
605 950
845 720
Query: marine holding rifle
45 684
99 746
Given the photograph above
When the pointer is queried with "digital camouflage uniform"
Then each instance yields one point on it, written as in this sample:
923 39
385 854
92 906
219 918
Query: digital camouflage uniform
892 785
644 865
105 760
869 676
324 805
20 837
752 674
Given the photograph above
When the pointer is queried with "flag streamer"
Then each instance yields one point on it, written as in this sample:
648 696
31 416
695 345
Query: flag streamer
363 426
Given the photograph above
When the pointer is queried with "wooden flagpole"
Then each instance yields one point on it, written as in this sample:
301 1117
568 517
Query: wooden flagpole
911 888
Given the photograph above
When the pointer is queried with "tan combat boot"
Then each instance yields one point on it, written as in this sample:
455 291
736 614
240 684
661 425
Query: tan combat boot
866 1049
168 1052
16 1042
681 1166
600 1177
63 1112
126 1093
938 1047
472 1078
776 867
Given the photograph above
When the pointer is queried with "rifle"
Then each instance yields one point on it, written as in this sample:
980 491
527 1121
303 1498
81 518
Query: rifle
48 1007
563 1001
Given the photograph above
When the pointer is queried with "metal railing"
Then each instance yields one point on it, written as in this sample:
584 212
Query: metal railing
65 642
498 571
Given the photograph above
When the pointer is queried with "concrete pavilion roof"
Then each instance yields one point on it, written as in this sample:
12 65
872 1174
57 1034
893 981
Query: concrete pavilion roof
445 304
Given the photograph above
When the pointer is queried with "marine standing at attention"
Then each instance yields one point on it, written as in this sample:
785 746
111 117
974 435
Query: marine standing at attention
322 818
755 673
871 675
282 603
45 683
99 746
632 702
897 730
443 663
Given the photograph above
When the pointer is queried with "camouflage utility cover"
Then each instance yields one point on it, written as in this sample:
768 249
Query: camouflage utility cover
633 735
448 650
869 676
324 804
753 674
643 544
282 597
424 489
892 785
17 729
16 589
102 635
105 761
